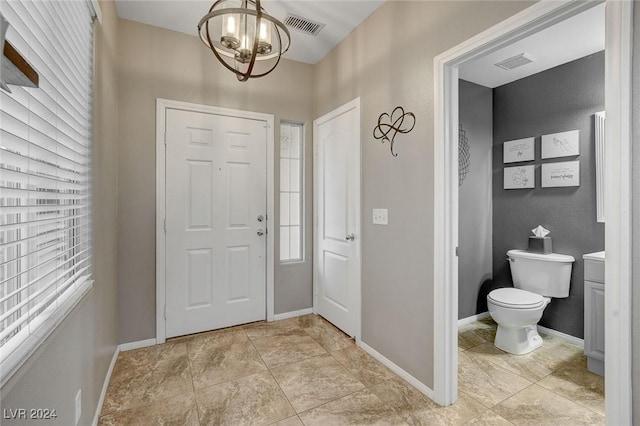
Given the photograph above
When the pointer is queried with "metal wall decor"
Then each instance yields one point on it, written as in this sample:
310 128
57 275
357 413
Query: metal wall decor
464 155
389 125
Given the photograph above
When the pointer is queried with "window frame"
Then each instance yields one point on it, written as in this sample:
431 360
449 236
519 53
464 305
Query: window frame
302 193
19 347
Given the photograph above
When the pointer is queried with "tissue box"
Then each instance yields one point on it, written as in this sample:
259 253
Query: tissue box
540 245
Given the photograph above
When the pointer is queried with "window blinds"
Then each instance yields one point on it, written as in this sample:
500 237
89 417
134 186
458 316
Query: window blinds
45 154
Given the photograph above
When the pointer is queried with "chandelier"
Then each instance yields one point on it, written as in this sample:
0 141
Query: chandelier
245 39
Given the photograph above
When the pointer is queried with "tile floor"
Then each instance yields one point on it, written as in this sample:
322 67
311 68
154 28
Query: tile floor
303 371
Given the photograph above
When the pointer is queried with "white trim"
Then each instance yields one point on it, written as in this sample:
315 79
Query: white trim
473 318
355 103
396 369
160 218
618 246
293 314
161 106
566 337
617 232
96 10
124 347
105 386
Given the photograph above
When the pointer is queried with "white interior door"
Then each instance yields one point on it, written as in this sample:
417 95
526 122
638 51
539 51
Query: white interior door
215 221
337 227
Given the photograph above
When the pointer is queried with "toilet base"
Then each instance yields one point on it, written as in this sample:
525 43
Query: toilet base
518 341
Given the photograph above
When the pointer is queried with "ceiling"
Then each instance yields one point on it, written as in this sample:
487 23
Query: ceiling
571 39
340 17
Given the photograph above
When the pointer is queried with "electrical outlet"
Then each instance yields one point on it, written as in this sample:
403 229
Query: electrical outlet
380 217
78 405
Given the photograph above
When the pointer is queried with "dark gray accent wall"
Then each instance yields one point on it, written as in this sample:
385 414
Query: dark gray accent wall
559 99
475 218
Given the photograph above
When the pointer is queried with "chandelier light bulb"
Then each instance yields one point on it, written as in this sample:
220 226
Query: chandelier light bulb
231 25
251 42
264 41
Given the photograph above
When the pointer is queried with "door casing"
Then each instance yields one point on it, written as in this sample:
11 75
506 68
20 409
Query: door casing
619 22
161 107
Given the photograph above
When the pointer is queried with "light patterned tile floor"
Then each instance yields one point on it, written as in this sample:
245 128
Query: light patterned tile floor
304 371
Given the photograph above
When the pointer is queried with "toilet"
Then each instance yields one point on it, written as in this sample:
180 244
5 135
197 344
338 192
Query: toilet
536 279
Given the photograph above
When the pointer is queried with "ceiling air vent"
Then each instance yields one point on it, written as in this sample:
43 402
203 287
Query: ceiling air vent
304 25
515 61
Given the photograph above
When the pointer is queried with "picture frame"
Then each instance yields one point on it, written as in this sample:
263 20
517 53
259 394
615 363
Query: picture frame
561 174
518 150
563 144
519 177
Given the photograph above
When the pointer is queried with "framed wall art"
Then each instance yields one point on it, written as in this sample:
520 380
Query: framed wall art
518 150
519 177
565 173
565 144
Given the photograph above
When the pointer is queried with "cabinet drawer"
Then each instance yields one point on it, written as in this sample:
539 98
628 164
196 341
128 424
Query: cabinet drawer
594 271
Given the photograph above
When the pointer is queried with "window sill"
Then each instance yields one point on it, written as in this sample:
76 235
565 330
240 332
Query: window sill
16 357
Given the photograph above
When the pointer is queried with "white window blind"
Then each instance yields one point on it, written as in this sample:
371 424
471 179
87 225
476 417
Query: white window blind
45 153
291 155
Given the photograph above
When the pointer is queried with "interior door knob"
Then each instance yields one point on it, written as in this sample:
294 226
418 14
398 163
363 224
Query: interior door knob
260 232
350 237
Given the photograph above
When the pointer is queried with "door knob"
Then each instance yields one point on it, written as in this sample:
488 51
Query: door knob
350 237
260 232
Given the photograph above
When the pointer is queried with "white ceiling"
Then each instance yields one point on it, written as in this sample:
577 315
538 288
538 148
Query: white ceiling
340 17
571 39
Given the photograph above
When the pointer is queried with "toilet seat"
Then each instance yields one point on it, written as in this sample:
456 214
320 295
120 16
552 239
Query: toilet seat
515 298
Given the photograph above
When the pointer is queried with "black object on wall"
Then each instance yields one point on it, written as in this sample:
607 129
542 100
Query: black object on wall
389 125
559 99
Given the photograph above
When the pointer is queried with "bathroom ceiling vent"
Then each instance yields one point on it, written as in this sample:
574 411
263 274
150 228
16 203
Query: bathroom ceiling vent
515 61
303 25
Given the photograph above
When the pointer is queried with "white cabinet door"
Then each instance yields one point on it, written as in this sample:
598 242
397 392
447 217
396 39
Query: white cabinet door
594 320
337 204
215 192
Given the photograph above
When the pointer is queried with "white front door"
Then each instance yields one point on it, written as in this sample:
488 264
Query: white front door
216 194
337 227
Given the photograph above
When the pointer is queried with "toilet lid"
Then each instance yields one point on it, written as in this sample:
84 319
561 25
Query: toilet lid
515 298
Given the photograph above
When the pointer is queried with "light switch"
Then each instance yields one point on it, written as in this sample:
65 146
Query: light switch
380 217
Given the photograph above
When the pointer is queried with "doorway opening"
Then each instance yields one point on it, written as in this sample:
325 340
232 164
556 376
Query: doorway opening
617 188
214 260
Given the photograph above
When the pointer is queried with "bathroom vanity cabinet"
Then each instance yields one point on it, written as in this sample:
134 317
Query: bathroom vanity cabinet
594 311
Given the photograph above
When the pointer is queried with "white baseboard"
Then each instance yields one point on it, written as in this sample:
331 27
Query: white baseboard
105 386
396 369
473 318
137 345
566 337
293 314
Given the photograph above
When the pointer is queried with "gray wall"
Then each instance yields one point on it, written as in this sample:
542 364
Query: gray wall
563 98
475 266
636 215
157 63
388 61
78 353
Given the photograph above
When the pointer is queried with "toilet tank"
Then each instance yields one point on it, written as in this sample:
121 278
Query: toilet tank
545 274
